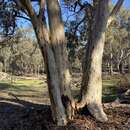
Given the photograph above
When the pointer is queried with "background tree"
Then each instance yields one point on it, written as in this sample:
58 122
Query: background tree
117 49
21 56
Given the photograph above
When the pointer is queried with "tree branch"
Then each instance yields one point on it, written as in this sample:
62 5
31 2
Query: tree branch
78 24
19 16
116 8
115 11
42 8
28 6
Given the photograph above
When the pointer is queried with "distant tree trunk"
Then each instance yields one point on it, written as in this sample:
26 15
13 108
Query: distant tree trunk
5 66
111 64
35 70
111 69
121 68
91 91
128 64
38 71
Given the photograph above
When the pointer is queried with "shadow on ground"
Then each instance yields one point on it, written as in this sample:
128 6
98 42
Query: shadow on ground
18 114
22 115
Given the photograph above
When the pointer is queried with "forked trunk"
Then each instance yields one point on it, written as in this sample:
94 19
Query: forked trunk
53 48
91 91
58 111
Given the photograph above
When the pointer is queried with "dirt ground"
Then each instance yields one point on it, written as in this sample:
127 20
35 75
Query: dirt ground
21 115
22 108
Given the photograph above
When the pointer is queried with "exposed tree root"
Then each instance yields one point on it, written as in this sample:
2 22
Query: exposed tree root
96 111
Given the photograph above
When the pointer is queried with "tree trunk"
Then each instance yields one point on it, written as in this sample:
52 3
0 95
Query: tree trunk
128 64
91 91
54 53
5 66
59 44
111 64
58 111
111 69
57 108
121 68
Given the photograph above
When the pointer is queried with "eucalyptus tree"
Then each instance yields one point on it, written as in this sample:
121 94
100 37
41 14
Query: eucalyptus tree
99 18
117 50
52 43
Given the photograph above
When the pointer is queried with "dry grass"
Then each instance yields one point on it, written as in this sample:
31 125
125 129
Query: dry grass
22 108
34 91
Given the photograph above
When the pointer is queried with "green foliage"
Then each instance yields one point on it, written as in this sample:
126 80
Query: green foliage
21 55
117 47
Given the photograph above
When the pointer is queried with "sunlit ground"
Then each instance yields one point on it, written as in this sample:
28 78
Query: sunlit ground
35 91
29 90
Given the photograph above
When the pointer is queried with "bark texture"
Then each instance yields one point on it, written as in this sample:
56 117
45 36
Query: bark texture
91 91
58 43
58 111
52 43
51 62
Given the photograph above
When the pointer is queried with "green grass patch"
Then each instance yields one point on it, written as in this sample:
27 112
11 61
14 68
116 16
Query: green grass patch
34 87
28 83
22 85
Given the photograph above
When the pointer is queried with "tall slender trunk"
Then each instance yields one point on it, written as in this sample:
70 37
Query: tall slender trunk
91 90
121 68
58 43
5 66
111 64
128 64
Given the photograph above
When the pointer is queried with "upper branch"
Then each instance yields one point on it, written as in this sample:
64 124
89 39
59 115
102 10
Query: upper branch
115 11
116 8
28 6
42 8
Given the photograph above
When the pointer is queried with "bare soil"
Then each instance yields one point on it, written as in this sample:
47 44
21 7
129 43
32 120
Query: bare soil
22 115
25 110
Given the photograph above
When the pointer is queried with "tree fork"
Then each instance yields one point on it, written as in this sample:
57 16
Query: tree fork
91 90
43 38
